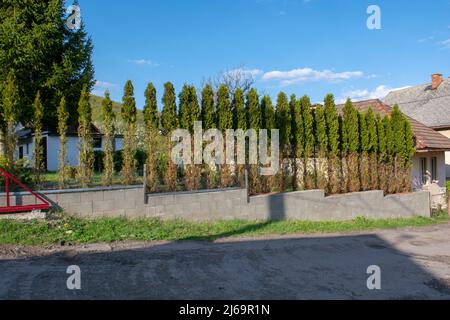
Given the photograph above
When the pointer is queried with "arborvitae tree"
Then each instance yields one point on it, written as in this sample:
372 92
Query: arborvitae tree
10 106
183 110
224 113
267 113
382 153
332 121
239 112
129 114
170 176
63 117
283 123
351 145
322 147
268 123
364 172
151 119
390 156
85 143
253 110
371 123
208 113
308 146
398 131
169 119
38 165
408 154
194 108
108 119
297 143
224 122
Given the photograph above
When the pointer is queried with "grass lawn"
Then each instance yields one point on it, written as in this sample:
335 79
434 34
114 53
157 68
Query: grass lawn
51 180
77 231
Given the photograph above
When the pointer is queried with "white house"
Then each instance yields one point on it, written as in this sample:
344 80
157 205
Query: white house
51 146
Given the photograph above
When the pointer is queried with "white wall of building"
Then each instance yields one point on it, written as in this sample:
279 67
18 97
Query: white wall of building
440 168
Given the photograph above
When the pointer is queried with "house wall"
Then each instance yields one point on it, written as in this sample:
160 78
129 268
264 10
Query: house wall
441 168
447 154
229 204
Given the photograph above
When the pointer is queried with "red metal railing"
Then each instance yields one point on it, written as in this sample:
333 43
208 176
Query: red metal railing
44 205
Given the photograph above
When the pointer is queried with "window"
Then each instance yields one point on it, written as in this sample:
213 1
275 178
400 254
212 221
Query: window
423 169
21 152
434 169
97 143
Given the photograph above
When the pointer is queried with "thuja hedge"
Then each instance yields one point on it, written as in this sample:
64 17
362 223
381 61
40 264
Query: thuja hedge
340 152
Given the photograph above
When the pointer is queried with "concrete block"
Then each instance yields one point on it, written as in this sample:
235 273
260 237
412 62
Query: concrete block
105 205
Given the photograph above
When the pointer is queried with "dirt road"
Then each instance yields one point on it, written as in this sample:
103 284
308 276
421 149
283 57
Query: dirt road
414 264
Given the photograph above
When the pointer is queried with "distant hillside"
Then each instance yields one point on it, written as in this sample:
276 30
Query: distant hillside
96 103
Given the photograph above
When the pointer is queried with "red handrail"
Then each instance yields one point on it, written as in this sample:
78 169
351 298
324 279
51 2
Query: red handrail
20 208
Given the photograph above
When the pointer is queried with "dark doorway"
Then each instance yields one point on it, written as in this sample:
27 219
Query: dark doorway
44 153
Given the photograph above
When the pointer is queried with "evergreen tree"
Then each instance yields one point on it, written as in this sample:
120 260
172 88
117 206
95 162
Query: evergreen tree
308 144
351 145
194 108
38 157
297 143
322 147
283 123
371 123
63 117
389 181
169 119
10 99
108 119
253 110
85 142
208 113
46 56
364 172
408 153
224 113
239 111
183 111
333 136
267 113
151 119
129 113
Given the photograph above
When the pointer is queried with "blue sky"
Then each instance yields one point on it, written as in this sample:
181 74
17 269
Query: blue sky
298 46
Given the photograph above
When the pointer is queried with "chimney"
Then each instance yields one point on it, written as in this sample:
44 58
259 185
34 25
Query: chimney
436 80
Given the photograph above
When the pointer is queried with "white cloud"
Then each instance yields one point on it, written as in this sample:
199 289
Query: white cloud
309 75
145 62
445 44
104 85
379 92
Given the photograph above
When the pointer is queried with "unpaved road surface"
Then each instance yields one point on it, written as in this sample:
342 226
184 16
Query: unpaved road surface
415 264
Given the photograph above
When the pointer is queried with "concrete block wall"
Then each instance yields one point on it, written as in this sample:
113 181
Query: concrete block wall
231 204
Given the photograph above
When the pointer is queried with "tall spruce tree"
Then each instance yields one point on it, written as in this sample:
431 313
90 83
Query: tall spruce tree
208 112
85 142
151 118
108 117
63 117
297 143
267 113
239 111
194 108
333 135
283 123
408 153
129 115
47 57
169 119
364 167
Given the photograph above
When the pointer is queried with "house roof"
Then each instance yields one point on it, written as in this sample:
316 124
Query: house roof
430 107
427 139
72 130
